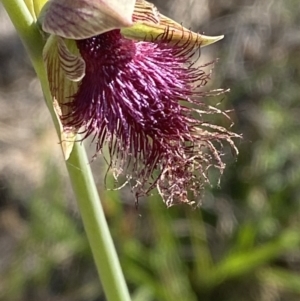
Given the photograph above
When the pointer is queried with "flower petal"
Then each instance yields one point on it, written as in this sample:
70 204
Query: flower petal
72 65
57 53
80 19
150 25
67 137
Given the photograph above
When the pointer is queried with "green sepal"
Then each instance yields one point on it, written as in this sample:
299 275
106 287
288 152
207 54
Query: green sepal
35 7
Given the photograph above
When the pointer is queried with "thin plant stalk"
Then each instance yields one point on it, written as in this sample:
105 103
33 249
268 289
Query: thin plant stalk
88 200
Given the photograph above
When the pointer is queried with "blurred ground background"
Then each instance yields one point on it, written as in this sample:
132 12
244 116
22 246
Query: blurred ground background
243 244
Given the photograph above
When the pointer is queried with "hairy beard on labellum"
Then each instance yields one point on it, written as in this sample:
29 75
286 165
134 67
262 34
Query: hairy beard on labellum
140 99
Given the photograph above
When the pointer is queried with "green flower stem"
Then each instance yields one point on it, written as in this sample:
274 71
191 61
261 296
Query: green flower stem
89 204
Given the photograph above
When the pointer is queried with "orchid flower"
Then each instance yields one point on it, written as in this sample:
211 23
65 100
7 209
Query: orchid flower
126 75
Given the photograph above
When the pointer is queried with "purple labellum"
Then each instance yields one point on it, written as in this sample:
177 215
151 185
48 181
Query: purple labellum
140 99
